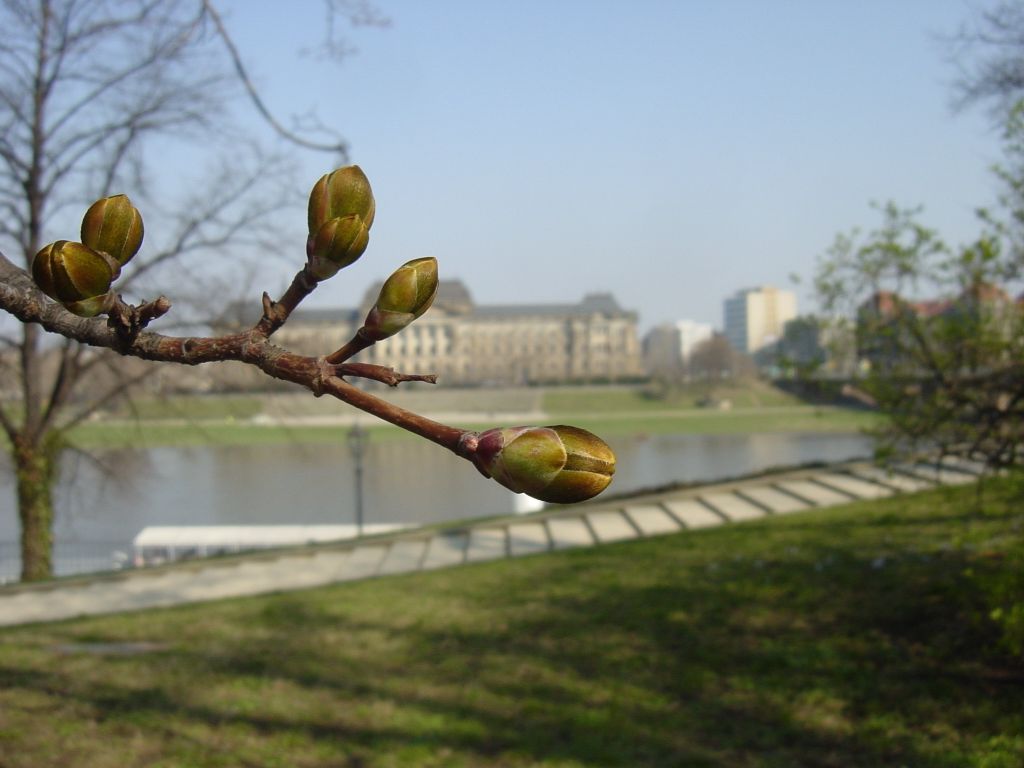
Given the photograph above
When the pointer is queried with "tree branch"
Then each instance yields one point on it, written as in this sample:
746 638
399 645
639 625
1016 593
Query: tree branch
340 147
19 296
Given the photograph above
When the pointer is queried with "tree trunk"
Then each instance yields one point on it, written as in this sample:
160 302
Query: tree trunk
34 468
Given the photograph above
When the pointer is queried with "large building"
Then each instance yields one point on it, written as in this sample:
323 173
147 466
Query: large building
465 343
756 317
667 347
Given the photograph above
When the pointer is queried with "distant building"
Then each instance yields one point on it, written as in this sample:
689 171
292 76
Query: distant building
882 340
810 345
662 355
667 347
465 343
691 335
756 317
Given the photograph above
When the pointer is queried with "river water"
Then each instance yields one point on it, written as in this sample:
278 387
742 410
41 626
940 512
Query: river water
404 481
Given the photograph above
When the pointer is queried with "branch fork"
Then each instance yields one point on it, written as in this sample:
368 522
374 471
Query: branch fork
128 320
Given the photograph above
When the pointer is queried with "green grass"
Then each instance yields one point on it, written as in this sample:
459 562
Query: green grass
852 637
195 408
597 400
229 432
783 419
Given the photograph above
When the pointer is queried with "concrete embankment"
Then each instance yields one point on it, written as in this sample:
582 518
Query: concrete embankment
585 525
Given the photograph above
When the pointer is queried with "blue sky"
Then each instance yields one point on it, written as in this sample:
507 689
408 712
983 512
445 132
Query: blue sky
670 152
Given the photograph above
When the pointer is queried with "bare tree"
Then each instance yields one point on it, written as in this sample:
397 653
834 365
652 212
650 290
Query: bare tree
85 88
988 52
715 360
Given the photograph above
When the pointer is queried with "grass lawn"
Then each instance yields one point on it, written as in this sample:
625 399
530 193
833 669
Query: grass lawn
223 420
751 393
858 636
781 419
195 407
229 432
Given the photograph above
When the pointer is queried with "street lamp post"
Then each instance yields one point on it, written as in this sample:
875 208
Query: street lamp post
357 444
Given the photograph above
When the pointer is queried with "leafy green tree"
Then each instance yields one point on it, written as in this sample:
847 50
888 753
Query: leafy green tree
939 337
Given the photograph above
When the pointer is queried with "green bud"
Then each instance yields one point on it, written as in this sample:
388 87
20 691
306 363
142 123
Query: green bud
341 193
406 295
341 211
558 464
76 276
338 243
113 225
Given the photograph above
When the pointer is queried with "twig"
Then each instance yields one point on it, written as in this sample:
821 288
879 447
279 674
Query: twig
276 313
380 373
353 347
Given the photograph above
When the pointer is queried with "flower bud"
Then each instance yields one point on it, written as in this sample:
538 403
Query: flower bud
114 226
338 194
341 211
406 295
559 464
338 243
74 275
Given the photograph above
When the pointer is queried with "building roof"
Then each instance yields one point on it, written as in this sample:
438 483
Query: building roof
453 297
888 302
592 304
323 315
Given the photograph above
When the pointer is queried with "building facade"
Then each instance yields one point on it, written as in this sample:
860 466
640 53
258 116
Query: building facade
469 344
667 347
756 317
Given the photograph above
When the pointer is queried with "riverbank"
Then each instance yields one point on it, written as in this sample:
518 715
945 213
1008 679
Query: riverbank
269 419
860 636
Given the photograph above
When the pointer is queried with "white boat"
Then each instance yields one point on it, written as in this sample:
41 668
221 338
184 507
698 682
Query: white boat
163 543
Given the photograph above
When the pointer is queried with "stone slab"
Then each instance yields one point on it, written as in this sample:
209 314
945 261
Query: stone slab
173 588
944 476
363 562
486 544
212 583
327 564
445 549
652 520
527 539
404 556
303 572
814 493
611 526
897 480
56 605
736 509
855 485
693 514
29 607
778 502
569 532
963 464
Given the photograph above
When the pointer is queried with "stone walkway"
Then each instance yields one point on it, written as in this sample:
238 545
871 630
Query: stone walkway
472 541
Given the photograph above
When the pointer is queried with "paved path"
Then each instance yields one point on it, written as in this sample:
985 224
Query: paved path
426 549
